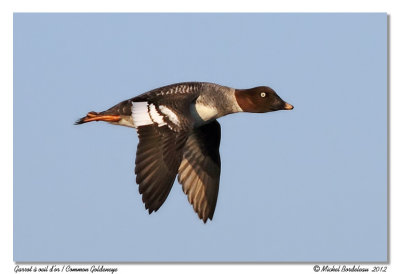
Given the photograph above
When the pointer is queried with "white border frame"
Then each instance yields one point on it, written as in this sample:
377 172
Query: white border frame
7 8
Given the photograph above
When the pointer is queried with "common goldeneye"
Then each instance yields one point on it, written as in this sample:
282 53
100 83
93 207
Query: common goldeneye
179 135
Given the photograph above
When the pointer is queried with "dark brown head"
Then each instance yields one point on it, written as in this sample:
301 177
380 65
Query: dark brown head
260 99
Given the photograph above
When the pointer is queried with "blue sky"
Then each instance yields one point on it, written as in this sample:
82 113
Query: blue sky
302 185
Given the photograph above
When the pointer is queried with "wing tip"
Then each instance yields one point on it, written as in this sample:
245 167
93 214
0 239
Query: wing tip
205 218
150 209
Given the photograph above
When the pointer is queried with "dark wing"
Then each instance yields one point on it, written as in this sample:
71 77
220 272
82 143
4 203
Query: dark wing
166 105
158 156
174 92
162 118
200 169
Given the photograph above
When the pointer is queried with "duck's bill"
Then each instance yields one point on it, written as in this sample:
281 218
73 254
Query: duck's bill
288 106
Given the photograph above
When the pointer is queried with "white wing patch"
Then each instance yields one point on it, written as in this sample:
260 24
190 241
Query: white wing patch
144 114
155 116
140 114
170 114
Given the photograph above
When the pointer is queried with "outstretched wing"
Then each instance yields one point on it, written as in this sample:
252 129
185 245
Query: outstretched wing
168 105
162 119
168 144
158 156
200 169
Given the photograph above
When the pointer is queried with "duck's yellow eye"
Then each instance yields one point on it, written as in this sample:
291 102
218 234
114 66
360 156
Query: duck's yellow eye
262 94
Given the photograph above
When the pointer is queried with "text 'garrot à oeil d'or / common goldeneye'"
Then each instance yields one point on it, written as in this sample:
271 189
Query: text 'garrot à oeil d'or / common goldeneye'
179 135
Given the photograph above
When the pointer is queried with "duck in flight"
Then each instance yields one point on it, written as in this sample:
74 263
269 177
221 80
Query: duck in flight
179 135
